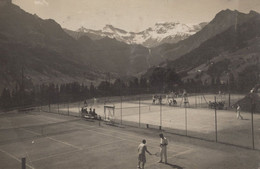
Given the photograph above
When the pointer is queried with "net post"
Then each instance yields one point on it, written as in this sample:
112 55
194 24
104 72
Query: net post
23 163
108 115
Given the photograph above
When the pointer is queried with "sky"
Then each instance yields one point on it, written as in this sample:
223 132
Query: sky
131 15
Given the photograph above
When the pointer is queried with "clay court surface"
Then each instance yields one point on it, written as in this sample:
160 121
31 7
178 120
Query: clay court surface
52 141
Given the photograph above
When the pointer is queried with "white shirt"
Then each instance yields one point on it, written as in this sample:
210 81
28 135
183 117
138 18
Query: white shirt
142 149
164 141
238 108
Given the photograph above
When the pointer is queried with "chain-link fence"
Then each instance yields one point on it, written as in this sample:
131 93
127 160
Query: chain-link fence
203 116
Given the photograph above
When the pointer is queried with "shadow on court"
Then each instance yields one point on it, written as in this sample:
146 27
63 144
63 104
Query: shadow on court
174 166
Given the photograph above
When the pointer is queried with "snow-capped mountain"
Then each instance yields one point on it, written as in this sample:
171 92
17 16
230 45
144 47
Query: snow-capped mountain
153 36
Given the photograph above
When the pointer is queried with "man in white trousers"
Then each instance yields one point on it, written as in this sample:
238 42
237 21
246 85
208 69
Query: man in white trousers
163 148
238 113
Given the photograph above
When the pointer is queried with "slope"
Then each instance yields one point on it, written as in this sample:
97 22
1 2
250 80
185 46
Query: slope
222 21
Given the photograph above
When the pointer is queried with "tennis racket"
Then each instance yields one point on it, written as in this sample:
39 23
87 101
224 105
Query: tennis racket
157 154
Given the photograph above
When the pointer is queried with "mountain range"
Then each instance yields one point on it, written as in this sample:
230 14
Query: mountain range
160 33
233 52
36 51
43 52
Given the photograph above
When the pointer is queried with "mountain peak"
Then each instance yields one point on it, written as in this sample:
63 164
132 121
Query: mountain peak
226 12
82 29
253 13
112 29
109 26
166 23
229 17
161 32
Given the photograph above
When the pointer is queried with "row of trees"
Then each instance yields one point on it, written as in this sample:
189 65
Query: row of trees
160 80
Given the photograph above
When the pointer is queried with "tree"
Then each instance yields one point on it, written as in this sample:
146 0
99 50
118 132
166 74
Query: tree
104 88
118 87
143 83
6 100
157 78
172 79
92 90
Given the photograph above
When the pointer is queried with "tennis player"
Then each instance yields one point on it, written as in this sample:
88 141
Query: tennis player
142 148
163 148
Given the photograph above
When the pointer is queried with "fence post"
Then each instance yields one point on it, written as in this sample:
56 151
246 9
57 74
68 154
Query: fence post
49 98
49 105
79 107
58 102
196 100
41 104
23 163
121 113
160 115
186 128
229 98
139 112
252 121
58 108
68 108
216 127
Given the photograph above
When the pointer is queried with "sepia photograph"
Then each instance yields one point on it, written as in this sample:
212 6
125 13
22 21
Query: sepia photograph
126 84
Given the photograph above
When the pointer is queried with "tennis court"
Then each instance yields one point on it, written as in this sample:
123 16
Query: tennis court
197 120
56 141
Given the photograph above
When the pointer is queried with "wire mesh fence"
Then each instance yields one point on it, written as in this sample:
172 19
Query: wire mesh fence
203 116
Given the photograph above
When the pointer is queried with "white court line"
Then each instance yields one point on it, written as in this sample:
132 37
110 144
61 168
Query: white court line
68 144
71 145
12 156
101 133
79 148
29 131
112 142
92 147
121 139
130 135
133 141
63 142
54 155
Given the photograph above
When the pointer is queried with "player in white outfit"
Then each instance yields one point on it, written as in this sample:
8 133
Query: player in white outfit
238 112
163 148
